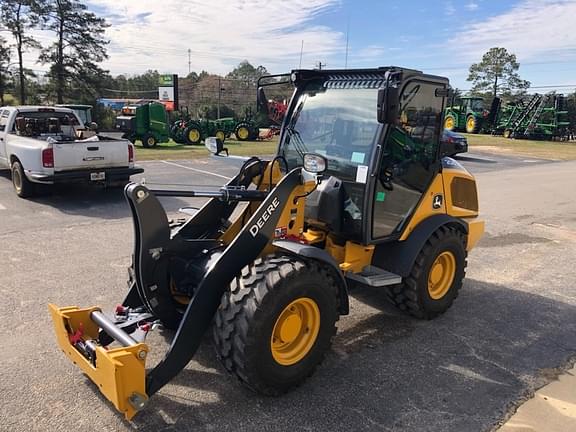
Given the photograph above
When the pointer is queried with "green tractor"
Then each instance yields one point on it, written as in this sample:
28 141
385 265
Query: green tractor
195 131
468 116
146 122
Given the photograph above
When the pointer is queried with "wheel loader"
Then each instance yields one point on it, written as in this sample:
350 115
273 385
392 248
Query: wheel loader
357 194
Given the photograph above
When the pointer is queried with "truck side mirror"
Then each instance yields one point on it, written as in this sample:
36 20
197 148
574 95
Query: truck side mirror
388 105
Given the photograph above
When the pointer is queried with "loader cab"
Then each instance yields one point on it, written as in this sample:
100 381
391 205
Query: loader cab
379 130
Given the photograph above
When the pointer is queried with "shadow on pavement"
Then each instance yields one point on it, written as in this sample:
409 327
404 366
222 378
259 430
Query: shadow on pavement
461 372
93 201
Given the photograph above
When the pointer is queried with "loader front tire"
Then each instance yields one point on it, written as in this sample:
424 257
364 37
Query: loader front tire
435 278
276 322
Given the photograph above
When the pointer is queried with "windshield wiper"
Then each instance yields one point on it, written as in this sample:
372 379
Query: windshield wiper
296 140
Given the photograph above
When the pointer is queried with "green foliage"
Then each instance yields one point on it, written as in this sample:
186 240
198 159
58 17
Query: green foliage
5 74
143 86
104 116
19 17
79 47
247 73
496 74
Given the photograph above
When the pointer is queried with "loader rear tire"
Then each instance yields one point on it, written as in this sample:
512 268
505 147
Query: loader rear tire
435 278
276 322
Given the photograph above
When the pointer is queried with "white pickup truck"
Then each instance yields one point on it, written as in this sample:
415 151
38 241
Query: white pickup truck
48 145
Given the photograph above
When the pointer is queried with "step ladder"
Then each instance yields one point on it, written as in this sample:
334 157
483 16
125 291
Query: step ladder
525 113
375 277
536 116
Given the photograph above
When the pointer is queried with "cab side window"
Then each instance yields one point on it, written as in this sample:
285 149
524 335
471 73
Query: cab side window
408 163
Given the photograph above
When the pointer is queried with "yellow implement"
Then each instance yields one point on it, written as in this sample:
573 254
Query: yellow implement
119 372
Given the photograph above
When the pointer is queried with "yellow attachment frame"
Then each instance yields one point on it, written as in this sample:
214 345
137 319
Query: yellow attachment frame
120 373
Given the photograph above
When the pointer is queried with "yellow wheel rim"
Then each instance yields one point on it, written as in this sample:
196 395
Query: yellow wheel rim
507 133
151 141
194 135
441 275
295 331
449 123
470 124
220 135
243 133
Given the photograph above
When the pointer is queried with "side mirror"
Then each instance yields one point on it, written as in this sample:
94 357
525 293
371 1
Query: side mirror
315 163
261 101
388 105
215 146
93 126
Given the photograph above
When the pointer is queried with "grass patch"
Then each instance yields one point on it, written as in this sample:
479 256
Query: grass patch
553 150
172 150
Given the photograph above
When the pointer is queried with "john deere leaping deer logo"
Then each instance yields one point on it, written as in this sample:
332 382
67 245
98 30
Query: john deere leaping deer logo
437 201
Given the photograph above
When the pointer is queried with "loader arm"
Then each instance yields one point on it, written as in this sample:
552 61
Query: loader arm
245 248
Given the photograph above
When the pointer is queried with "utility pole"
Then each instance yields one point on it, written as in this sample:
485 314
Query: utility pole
320 65
347 37
219 94
301 51
189 61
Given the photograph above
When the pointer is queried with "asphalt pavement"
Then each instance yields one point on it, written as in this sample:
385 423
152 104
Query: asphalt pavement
511 330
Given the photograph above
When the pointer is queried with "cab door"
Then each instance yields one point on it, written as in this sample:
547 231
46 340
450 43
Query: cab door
409 158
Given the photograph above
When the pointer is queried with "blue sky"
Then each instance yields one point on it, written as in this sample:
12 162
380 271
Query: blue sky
437 36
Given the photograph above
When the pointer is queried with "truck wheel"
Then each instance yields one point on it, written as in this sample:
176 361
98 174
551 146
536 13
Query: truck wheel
449 123
436 276
24 188
276 322
242 132
149 141
193 135
472 125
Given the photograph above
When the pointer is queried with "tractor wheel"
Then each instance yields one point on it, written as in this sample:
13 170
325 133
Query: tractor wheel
242 132
508 133
276 322
436 276
149 140
221 135
193 135
450 123
472 125
24 188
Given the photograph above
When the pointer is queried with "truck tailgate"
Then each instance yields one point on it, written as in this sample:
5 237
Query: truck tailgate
90 154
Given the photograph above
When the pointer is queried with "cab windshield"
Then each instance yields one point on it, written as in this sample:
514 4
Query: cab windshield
337 123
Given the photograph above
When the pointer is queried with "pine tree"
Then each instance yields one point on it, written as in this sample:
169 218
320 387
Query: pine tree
497 73
5 52
19 17
80 45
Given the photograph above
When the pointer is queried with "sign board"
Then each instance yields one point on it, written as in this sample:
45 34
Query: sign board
166 81
168 89
166 93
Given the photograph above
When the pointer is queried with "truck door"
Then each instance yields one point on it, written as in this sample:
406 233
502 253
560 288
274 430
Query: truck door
4 115
409 158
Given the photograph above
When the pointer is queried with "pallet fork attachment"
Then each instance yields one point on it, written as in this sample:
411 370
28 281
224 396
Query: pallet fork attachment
119 373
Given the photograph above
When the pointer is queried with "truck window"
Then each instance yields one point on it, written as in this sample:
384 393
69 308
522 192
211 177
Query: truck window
45 123
4 119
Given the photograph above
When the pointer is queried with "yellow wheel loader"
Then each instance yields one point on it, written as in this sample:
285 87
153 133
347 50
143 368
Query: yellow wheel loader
356 194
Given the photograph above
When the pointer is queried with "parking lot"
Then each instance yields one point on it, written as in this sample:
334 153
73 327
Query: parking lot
511 330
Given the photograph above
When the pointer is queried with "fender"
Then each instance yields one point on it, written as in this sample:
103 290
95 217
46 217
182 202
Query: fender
321 255
399 256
